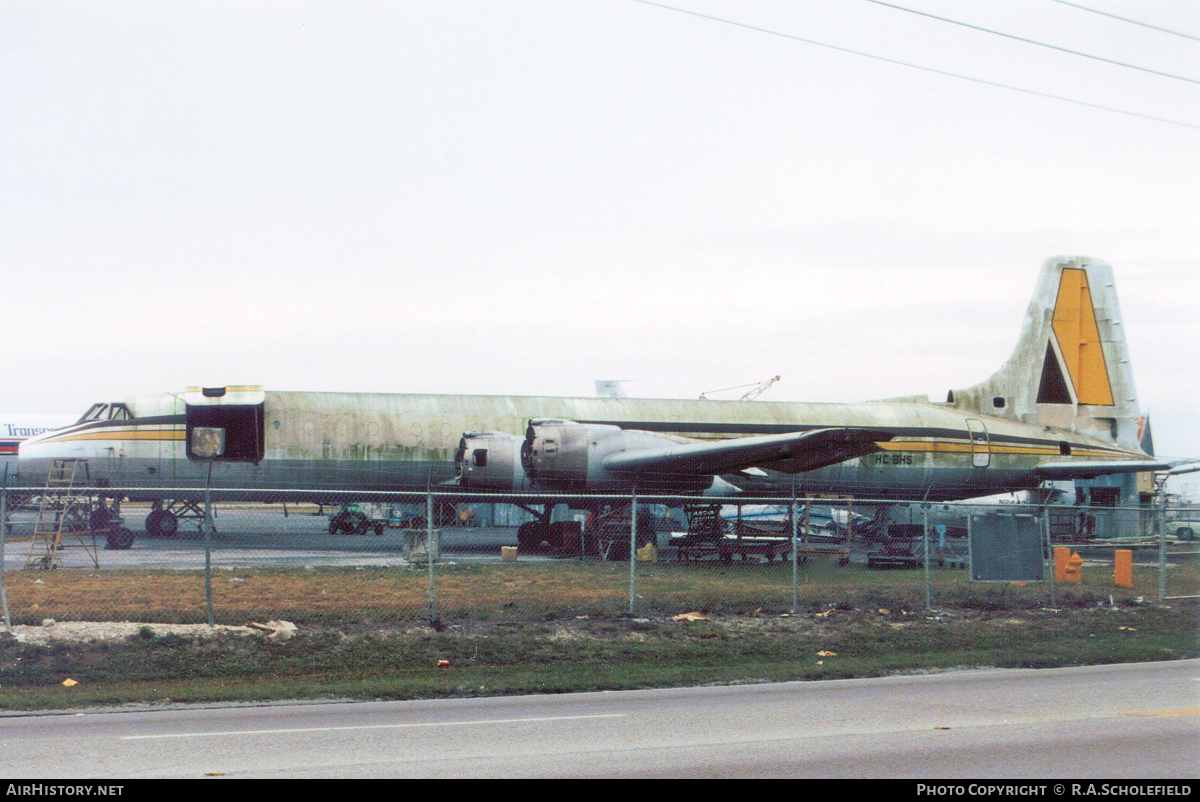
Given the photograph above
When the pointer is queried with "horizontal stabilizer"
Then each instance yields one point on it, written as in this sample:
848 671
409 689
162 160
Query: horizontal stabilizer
791 453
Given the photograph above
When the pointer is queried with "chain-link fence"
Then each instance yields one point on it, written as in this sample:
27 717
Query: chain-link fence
395 559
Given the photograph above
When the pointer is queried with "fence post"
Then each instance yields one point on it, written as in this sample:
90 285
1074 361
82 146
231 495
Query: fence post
208 547
795 574
1045 516
3 536
632 544
429 554
925 537
1160 505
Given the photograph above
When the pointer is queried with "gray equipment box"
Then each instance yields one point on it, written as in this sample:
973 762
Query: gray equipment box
1006 548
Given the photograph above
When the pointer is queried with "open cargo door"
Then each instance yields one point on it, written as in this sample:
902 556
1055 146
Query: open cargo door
231 415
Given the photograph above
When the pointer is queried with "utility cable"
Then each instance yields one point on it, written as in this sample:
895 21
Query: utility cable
1034 42
916 66
1130 21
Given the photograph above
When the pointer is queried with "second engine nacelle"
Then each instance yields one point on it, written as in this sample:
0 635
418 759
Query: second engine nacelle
569 456
490 461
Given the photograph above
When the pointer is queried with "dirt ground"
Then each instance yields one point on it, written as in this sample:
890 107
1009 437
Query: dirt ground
822 623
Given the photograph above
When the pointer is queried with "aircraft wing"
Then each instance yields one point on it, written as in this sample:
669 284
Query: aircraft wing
791 453
1089 469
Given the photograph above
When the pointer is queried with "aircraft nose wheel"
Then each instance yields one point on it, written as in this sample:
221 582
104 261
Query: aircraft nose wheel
120 539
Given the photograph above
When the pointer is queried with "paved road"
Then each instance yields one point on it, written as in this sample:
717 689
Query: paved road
252 536
268 538
1125 721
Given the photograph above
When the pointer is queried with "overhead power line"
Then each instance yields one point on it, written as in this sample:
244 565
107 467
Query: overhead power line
1130 21
910 65
1035 42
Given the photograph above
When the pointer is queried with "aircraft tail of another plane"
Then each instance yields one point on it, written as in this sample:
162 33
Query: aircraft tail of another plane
1071 366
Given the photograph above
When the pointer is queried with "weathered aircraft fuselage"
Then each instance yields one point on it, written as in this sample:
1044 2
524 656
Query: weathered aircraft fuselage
365 441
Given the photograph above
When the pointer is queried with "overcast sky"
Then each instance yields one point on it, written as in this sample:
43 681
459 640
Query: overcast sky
522 197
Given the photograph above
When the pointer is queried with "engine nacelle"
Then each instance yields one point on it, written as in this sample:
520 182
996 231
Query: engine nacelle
569 456
490 461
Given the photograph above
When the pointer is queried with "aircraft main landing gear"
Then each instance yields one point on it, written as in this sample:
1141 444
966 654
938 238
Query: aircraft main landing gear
162 523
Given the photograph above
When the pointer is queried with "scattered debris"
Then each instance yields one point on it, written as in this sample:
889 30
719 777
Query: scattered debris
69 683
276 630
825 653
84 631
690 617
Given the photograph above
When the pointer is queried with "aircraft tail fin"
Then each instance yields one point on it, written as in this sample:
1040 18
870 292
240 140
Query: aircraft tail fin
1071 366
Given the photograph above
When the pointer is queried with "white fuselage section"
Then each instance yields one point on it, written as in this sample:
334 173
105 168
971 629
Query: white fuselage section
353 441
16 428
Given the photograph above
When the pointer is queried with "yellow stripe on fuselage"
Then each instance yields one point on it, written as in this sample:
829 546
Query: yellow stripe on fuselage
950 447
143 434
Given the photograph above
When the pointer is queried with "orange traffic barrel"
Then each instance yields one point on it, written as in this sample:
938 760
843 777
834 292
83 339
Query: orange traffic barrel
1123 568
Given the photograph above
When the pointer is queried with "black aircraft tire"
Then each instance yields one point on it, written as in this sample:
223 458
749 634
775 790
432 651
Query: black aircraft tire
169 524
1186 533
162 523
120 539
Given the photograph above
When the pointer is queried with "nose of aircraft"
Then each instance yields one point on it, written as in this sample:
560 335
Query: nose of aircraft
36 456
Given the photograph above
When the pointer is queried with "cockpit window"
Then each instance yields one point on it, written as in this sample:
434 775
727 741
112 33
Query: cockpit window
99 412
94 413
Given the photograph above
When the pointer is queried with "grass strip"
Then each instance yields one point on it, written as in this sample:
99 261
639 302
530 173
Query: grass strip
582 654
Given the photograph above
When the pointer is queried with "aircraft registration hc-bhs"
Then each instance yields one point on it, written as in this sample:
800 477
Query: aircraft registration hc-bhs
1062 407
